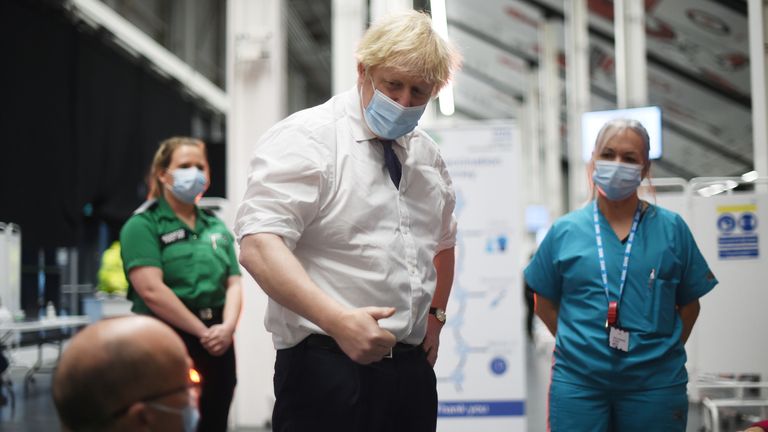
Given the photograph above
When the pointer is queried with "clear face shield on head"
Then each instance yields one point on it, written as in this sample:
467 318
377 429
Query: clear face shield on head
387 118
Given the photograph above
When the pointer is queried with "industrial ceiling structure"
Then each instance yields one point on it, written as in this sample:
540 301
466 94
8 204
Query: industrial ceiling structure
698 71
697 53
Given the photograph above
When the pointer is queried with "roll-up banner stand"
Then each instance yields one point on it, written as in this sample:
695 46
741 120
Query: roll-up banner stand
480 370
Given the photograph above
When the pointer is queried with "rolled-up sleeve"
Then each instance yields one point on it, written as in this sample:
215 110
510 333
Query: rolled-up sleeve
287 175
449 225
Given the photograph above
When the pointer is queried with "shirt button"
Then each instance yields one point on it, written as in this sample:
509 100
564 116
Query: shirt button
194 236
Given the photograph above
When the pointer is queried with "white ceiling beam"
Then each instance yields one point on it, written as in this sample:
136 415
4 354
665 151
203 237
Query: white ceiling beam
631 63
132 38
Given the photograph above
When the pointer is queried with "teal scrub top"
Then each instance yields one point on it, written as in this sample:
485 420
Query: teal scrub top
566 270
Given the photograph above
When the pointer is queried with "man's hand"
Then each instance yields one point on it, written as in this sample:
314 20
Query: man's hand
358 334
432 339
217 339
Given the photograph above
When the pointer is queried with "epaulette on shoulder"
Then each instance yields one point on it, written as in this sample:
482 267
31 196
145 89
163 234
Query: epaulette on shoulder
146 205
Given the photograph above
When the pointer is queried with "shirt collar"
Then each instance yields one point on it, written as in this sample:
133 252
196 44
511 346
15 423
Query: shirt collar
164 210
360 131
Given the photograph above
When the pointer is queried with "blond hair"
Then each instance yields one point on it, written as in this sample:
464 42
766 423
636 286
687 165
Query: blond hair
406 42
162 161
614 127
618 125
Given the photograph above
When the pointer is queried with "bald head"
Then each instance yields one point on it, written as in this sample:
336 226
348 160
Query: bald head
113 363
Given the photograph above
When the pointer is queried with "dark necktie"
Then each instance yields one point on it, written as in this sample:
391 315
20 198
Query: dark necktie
392 163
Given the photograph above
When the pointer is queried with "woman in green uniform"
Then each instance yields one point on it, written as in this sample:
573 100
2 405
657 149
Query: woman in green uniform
181 265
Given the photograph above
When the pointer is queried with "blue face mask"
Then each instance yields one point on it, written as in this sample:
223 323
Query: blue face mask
188 183
617 180
189 415
387 118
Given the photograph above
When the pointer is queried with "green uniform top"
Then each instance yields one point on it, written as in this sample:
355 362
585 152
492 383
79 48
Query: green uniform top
195 262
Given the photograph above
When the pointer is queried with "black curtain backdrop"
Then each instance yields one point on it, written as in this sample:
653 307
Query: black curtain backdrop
80 121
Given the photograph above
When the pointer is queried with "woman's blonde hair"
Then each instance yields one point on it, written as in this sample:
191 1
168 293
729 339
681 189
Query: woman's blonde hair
618 125
406 42
162 161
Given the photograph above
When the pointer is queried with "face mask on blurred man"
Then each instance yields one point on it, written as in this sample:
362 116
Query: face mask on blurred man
190 415
617 180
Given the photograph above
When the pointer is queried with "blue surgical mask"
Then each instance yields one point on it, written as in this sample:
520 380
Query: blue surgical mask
188 183
617 180
189 415
387 118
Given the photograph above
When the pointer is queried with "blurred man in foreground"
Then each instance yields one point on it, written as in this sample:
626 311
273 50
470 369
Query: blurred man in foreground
126 374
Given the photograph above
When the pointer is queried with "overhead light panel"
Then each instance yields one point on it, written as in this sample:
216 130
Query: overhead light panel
440 25
750 176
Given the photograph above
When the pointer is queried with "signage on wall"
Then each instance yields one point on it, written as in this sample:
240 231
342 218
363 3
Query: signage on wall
737 232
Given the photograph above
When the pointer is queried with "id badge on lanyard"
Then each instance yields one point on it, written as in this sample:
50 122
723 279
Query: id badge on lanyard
618 338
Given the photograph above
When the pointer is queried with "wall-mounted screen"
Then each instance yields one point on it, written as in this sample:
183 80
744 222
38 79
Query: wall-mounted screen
650 117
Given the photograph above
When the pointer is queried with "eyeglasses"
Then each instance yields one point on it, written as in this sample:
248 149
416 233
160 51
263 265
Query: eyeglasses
192 387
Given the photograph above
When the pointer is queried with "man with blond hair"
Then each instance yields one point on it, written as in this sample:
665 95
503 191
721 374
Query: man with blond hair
347 225
125 374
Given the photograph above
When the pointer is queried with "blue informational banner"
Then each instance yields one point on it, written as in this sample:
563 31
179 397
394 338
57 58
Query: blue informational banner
481 408
481 367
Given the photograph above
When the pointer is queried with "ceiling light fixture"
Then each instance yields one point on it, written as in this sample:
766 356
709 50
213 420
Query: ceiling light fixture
750 176
440 25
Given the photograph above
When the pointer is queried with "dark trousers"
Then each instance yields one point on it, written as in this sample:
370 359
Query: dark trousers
321 389
218 382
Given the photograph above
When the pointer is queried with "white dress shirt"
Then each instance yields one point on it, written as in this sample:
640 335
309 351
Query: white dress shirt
318 180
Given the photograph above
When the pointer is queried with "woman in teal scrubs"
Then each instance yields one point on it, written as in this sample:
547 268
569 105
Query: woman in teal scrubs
617 282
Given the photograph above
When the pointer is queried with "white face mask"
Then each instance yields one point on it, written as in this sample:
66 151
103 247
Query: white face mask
188 183
387 118
190 415
617 180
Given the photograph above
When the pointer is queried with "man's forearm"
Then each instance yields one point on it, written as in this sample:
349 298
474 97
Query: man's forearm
444 263
283 279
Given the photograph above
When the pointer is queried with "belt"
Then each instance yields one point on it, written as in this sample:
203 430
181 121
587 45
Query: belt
328 343
208 314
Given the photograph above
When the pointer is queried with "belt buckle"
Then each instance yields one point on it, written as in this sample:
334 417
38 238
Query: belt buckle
390 354
205 314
